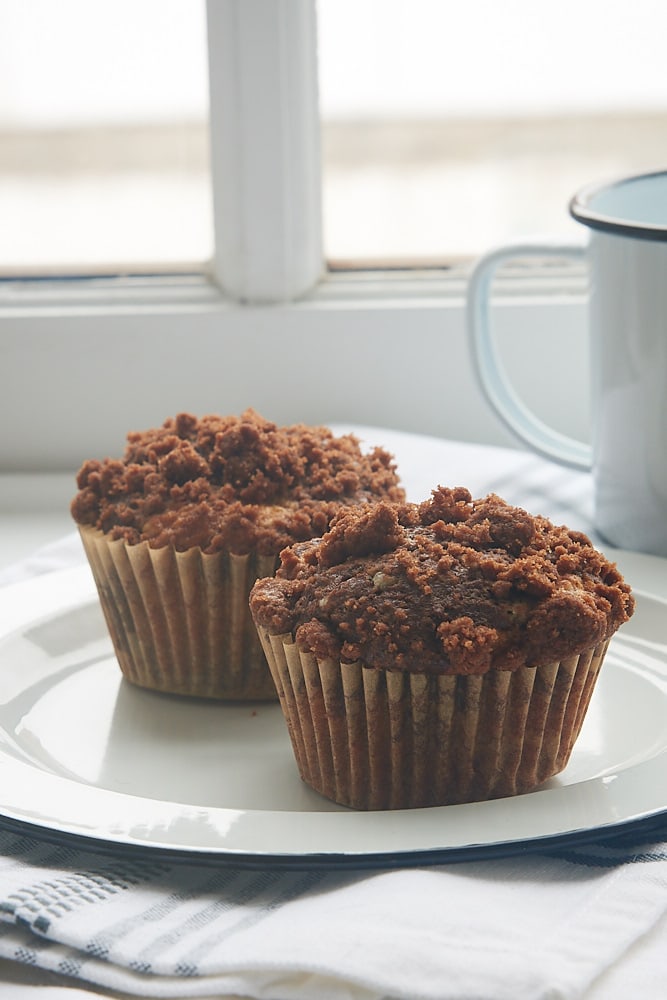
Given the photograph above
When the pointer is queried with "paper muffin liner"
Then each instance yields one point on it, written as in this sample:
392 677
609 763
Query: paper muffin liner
179 621
383 739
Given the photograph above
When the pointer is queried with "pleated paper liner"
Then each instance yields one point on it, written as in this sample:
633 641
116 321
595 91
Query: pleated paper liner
375 739
179 621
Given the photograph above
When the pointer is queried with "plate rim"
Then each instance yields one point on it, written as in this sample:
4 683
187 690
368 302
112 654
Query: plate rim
61 590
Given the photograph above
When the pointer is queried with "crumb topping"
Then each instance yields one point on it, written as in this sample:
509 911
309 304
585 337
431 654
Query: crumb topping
236 482
451 585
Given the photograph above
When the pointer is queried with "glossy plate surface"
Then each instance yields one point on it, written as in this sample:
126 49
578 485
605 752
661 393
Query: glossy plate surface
84 754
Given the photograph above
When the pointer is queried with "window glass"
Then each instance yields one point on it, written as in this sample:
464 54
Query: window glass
450 127
103 135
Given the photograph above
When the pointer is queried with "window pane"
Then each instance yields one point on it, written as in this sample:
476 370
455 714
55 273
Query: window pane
103 135
450 127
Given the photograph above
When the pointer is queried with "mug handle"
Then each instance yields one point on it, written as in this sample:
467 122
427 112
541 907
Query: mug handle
489 369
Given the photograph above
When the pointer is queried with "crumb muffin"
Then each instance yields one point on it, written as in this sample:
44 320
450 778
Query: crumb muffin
437 653
178 530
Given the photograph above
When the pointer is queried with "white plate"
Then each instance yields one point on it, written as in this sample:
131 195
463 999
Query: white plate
83 753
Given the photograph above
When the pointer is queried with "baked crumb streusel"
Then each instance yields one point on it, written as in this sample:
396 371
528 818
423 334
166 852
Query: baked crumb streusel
236 483
451 585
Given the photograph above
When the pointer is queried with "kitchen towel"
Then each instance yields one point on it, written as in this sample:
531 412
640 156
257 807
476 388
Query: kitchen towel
545 925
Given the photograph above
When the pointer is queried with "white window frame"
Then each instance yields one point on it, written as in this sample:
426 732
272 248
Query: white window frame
84 361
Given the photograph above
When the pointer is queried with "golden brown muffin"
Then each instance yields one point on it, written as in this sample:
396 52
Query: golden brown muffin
178 530
434 653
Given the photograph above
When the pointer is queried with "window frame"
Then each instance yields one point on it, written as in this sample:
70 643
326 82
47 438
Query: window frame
265 325
265 148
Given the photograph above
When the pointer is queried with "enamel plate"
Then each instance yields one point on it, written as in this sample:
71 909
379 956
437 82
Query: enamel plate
84 754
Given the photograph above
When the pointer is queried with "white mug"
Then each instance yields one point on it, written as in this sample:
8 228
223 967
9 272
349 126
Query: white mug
627 257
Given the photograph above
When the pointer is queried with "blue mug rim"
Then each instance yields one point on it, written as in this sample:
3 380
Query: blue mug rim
581 210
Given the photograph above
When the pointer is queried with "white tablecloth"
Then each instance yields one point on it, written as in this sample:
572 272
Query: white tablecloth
574 921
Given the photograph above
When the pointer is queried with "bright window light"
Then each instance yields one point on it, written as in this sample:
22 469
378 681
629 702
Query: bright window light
103 136
451 127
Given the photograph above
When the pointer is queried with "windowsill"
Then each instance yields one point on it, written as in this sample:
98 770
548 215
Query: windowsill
527 279
34 511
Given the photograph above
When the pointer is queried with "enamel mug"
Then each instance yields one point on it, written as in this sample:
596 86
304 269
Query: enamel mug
627 319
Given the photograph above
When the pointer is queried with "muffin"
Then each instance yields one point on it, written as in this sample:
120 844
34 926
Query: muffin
437 653
178 530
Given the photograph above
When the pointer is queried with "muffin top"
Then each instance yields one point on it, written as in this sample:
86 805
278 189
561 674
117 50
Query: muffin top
237 483
451 585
